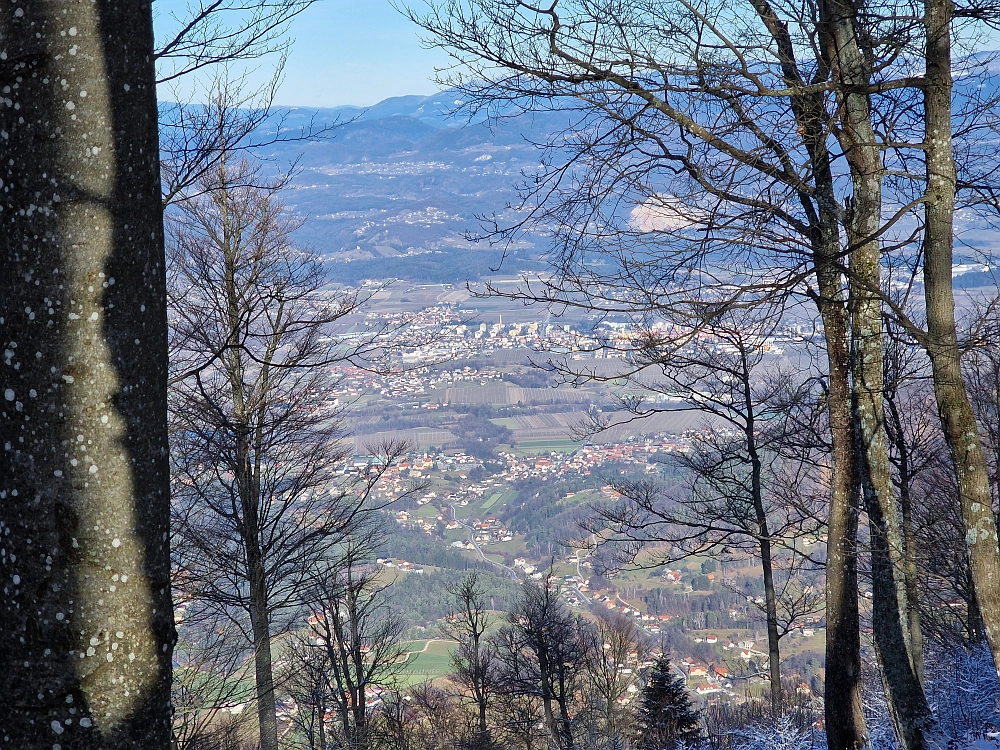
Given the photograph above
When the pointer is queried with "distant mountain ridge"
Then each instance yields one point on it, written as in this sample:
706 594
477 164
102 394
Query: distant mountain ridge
397 187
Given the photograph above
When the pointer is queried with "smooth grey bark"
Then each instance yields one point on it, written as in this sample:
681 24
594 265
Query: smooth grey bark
86 620
954 408
851 70
845 719
846 726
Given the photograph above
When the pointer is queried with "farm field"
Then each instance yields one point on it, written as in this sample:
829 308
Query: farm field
500 497
548 445
426 661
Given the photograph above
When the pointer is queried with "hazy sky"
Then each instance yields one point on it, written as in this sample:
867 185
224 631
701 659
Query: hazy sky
350 52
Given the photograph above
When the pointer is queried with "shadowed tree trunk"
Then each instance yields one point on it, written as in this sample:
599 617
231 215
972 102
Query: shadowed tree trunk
86 617
863 222
845 719
846 728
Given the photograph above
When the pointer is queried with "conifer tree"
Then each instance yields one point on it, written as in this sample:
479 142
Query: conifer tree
666 719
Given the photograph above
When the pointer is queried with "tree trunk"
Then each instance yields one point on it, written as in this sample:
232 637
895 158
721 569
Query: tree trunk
857 137
890 620
771 607
909 537
546 682
845 720
957 418
764 542
480 688
359 682
257 603
260 623
974 618
86 612
248 484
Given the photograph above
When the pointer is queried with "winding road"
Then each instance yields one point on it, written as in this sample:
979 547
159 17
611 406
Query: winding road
472 538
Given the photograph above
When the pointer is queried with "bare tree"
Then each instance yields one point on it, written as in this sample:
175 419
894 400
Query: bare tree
949 610
542 650
258 501
736 500
235 120
474 667
213 33
86 615
981 367
958 420
518 724
203 58
701 173
210 684
612 667
726 108
442 723
356 636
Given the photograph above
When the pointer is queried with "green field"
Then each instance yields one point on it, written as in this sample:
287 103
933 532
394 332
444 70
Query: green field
432 664
496 497
492 500
558 445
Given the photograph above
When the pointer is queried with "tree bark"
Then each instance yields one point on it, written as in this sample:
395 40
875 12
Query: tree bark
954 409
850 69
86 615
845 720
258 605
248 479
764 542
898 437
260 623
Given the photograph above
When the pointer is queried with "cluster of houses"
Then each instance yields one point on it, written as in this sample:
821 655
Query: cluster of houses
652 624
411 521
589 457
486 532
708 679
440 332
518 468
490 531
403 565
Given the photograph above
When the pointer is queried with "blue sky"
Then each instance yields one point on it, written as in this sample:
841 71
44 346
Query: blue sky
350 52
356 52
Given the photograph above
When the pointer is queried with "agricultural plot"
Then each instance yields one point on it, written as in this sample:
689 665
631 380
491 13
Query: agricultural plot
498 498
420 438
480 395
502 394
547 445
426 661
